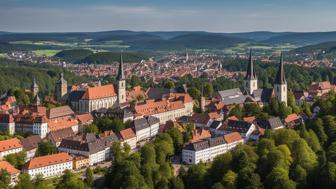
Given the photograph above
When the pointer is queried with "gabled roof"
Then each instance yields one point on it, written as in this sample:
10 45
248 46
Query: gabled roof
291 118
215 124
275 122
31 142
58 135
127 134
60 112
10 144
236 126
98 92
84 118
8 167
47 160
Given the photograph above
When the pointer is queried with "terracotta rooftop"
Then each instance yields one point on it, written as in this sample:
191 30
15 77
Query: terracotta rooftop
199 134
232 137
61 123
104 91
151 107
291 118
127 134
84 118
60 112
10 144
48 160
8 167
250 119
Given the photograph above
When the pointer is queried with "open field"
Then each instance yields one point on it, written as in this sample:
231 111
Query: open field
45 52
243 47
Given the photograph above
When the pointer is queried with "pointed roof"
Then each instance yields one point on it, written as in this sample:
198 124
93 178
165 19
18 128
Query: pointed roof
34 85
250 73
121 75
61 78
280 76
37 100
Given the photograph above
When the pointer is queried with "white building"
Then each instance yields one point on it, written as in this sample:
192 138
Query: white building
12 171
96 148
10 146
128 136
280 83
48 166
146 128
244 128
207 150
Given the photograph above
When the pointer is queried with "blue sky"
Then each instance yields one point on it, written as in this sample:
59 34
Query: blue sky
167 15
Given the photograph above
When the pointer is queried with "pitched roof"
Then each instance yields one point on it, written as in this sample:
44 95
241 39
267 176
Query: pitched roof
127 134
8 167
9 144
199 134
61 123
250 119
31 142
58 135
150 107
236 126
47 160
232 137
275 122
60 112
204 144
84 118
291 118
103 91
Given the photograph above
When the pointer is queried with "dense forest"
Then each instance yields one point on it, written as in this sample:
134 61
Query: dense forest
73 55
110 57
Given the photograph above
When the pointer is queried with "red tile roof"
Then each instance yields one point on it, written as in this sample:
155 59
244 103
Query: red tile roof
150 108
199 134
61 123
232 137
127 134
84 118
10 144
47 160
250 119
8 167
291 118
104 91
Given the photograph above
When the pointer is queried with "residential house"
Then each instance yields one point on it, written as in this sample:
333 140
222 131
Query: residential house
10 146
30 145
12 171
129 137
56 137
146 127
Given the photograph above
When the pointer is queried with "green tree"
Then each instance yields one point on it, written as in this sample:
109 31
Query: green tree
177 137
89 176
230 180
69 180
5 179
91 128
17 159
45 148
24 182
176 183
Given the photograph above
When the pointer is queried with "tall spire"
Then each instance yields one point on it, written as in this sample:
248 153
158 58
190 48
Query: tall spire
250 73
121 75
280 77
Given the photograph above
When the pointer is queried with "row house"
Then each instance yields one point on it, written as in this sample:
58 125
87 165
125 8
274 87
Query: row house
146 127
206 150
244 128
10 146
128 136
49 165
95 147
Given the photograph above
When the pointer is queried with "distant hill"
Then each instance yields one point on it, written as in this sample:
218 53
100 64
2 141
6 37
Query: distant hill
302 38
110 57
327 46
73 55
258 35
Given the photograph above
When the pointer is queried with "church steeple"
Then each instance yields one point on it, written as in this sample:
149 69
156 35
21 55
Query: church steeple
250 81
250 73
280 84
34 87
280 77
121 75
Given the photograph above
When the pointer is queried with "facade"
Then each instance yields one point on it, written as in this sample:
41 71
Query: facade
168 108
10 146
244 128
12 171
206 150
251 80
80 162
7 123
55 137
128 136
280 84
146 128
48 166
96 148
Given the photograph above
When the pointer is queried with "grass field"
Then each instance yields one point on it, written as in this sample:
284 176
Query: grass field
2 55
243 47
45 52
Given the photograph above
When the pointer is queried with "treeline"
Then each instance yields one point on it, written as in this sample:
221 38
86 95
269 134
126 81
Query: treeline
297 77
19 75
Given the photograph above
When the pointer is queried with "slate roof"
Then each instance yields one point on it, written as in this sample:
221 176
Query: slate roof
60 112
75 96
263 95
145 122
215 124
274 122
237 126
204 144
280 76
58 135
31 142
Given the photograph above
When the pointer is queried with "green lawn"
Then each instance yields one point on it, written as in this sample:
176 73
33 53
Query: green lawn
45 52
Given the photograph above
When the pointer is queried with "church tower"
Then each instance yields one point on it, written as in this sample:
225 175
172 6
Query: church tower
61 89
280 83
202 101
34 87
121 82
251 80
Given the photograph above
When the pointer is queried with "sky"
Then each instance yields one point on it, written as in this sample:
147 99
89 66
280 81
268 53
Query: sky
167 15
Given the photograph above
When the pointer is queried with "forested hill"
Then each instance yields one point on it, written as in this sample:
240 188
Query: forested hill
327 47
20 75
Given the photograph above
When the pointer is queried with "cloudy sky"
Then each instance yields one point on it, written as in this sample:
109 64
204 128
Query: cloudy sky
167 15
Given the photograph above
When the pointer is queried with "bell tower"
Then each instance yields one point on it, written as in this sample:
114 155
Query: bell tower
251 80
